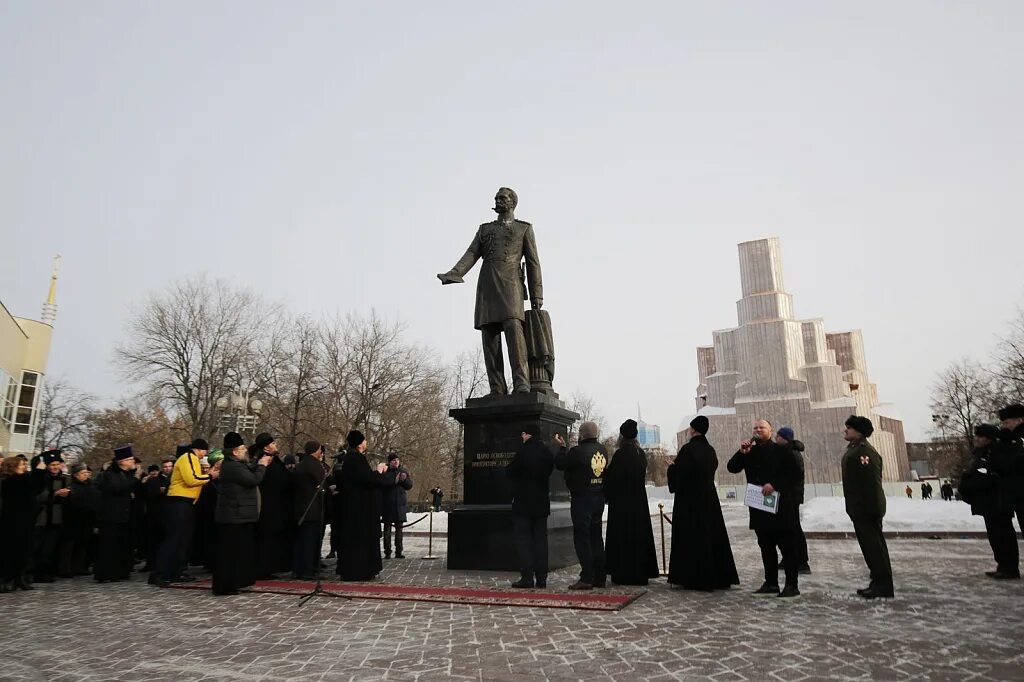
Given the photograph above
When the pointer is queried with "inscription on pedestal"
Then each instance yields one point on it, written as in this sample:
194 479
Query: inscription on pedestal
484 460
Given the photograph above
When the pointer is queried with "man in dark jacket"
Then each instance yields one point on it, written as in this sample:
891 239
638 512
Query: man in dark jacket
395 505
436 495
772 468
114 541
865 504
584 466
787 438
979 487
80 520
309 510
530 471
156 491
50 540
1010 459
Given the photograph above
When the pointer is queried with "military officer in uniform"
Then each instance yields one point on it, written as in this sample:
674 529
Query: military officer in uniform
503 245
865 504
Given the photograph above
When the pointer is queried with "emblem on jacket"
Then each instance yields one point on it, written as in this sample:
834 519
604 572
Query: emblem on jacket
597 464
864 459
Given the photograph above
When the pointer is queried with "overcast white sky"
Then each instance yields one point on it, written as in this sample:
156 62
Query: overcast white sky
335 156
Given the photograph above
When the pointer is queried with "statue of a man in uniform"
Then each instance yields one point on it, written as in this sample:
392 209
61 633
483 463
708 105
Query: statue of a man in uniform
503 245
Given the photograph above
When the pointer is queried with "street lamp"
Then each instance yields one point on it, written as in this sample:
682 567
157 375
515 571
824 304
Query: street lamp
240 410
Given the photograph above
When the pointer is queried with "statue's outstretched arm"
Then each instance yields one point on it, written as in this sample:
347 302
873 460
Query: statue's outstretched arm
465 264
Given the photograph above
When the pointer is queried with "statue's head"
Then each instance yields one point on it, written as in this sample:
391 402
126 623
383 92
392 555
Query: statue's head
505 200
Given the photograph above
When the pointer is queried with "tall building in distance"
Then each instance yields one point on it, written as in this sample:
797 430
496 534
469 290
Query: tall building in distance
24 351
648 435
791 372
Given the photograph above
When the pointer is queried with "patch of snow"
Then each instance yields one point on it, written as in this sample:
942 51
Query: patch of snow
902 514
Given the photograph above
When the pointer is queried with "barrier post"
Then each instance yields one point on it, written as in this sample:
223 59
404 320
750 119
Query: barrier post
661 518
430 536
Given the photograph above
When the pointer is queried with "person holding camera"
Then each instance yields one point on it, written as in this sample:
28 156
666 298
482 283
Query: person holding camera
238 508
436 495
395 505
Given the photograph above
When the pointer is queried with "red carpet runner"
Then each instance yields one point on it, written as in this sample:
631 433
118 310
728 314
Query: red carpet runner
597 600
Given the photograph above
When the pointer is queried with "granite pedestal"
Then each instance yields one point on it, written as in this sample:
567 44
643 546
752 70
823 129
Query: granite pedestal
480 533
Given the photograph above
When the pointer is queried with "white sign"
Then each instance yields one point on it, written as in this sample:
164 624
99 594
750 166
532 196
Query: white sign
755 499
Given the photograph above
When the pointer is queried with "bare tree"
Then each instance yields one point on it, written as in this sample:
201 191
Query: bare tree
962 398
1009 362
64 417
142 422
585 406
184 345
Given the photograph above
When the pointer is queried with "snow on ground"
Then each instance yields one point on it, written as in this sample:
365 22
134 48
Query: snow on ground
902 514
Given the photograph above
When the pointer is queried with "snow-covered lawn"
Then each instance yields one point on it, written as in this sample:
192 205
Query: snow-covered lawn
902 514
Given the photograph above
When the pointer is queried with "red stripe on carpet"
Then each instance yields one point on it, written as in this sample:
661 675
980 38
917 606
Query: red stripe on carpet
454 595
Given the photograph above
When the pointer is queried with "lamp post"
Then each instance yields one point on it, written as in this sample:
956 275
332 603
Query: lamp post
240 410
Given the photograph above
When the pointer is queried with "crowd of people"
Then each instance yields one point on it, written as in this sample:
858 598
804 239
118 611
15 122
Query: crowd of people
247 513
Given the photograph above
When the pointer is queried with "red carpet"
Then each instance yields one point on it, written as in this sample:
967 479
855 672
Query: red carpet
596 600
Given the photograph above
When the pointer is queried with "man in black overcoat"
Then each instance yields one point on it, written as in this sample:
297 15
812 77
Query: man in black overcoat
773 468
360 493
114 558
395 505
979 487
309 510
530 472
275 530
51 536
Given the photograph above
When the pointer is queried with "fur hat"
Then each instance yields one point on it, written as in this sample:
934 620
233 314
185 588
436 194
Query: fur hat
199 444
232 440
51 456
289 460
123 452
990 431
1015 411
262 441
354 438
861 425
787 433
628 429
589 430
700 424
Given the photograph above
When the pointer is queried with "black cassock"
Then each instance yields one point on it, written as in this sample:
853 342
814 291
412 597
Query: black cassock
204 533
701 554
360 498
275 531
629 547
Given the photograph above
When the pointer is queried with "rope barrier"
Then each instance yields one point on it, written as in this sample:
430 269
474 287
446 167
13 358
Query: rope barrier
408 525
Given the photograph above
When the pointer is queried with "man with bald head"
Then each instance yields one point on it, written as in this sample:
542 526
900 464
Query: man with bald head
774 468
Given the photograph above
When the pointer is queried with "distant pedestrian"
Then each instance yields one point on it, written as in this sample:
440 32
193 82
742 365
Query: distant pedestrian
436 495
910 493
925 492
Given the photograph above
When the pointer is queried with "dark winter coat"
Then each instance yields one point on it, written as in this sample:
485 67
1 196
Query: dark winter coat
238 500
584 467
1007 463
979 486
360 496
51 507
395 504
629 548
115 487
798 453
308 475
17 522
701 555
81 504
769 462
862 482
530 472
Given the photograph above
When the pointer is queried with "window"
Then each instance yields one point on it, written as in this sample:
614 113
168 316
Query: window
26 404
8 391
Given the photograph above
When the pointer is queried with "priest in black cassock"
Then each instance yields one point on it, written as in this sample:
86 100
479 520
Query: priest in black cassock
275 530
629 548
701 555
360 490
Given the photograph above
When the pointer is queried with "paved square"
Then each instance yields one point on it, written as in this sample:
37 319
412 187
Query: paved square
948 623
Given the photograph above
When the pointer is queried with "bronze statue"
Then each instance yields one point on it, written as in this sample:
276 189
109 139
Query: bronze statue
503 245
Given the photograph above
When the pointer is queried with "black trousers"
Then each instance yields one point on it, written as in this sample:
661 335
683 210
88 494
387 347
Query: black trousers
114 558
307 547
387 537
49 540
875 551
801 544
532 544
586 512
235 565
771 543
179 522
1003 540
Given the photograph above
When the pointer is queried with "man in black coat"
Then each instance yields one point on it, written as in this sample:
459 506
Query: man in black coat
865 504
309 510
80 519
979 487
156 491
395 505
1011 460
584 467
275 530
114 541
359 493
772 468
436 495
787 438
51 537
530 471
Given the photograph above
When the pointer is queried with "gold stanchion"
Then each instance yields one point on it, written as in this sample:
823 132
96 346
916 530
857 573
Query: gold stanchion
430 536
661 518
